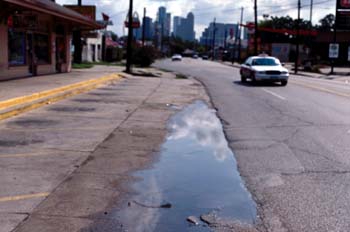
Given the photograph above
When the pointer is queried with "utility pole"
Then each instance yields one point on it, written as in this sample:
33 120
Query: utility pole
77 56
239 35
311 6
130 35
161 37
334 38
297 40
143 26
256 27
213 43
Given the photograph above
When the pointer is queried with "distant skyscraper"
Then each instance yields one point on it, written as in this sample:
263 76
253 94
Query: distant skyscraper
167 24
163 21
184 27
176 24
221 34
149 28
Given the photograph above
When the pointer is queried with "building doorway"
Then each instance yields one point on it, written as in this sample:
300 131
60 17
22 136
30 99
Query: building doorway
32 61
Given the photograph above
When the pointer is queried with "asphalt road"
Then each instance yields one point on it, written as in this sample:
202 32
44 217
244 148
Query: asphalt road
291 144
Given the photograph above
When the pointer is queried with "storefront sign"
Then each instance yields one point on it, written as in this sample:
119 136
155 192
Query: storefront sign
135 21
343 15
333 50
87 11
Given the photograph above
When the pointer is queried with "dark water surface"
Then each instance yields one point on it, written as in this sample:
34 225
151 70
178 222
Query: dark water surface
196 173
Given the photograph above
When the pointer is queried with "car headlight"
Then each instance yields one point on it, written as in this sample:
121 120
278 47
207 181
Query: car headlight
284 72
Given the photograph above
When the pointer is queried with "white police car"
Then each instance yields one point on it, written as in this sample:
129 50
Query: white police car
264 68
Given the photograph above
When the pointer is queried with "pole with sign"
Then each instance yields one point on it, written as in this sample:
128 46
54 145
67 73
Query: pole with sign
333 50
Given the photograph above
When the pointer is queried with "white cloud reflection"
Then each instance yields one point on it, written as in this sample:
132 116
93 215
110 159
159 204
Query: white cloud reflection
200 123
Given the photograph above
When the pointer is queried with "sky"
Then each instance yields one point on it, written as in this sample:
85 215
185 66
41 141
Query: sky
225 11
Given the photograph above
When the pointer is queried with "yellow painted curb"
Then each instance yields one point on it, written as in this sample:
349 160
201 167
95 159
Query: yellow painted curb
50 96
23 197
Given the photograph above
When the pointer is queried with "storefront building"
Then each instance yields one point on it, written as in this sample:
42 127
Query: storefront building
92 48
35 37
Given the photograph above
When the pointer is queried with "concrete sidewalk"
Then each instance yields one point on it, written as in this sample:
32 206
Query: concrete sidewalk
66 166
27 86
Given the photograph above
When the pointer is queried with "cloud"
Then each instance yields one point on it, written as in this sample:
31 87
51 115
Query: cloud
225 11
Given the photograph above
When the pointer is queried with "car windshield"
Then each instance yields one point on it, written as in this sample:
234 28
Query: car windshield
265 62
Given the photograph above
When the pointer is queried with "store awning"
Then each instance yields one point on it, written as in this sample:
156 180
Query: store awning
52 8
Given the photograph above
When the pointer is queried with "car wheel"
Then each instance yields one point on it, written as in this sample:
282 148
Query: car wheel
284 82
253 80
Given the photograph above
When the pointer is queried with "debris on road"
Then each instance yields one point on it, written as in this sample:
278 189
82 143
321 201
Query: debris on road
193 220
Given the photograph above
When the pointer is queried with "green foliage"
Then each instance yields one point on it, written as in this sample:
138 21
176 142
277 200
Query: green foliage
327 23
82 65
114 54
178 46
181 76
284 22
144 56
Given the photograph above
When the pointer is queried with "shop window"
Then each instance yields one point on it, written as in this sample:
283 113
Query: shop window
16 48
42 48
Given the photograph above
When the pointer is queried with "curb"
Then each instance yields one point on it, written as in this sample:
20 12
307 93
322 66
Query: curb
15 106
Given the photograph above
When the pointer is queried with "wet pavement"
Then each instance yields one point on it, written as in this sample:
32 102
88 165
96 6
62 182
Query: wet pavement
196 175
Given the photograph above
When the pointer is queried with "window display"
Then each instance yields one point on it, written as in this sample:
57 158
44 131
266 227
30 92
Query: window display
17 48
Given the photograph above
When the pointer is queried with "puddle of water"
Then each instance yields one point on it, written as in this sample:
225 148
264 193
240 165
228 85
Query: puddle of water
93 101
197 174
15 143
34 122
72 109
103 94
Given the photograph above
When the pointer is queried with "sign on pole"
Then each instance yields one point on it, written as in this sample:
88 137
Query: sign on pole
333 50
348 53
343 15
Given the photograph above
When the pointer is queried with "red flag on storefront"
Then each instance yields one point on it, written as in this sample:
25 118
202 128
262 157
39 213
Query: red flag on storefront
105 17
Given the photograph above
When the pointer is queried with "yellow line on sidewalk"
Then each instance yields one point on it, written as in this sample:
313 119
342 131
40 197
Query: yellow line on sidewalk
23 197
24 99
51 96
321 89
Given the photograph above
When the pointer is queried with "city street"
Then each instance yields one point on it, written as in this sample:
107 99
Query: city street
291 144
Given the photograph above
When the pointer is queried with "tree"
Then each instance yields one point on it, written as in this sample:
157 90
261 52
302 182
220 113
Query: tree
326 23
284 22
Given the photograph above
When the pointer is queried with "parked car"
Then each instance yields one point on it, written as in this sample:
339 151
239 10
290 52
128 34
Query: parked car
205 57
176 57
264 68
195 56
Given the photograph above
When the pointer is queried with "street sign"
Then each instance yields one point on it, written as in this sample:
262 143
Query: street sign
343 15
348 53
251 27
333 50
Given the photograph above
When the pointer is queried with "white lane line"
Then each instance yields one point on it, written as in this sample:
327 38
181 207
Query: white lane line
274 94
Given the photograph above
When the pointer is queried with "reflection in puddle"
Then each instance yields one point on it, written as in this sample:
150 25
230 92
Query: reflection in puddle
196 173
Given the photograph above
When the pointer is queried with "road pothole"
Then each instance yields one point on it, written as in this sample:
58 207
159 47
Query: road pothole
196 174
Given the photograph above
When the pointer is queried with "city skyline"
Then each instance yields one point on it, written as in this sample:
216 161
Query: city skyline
205 11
